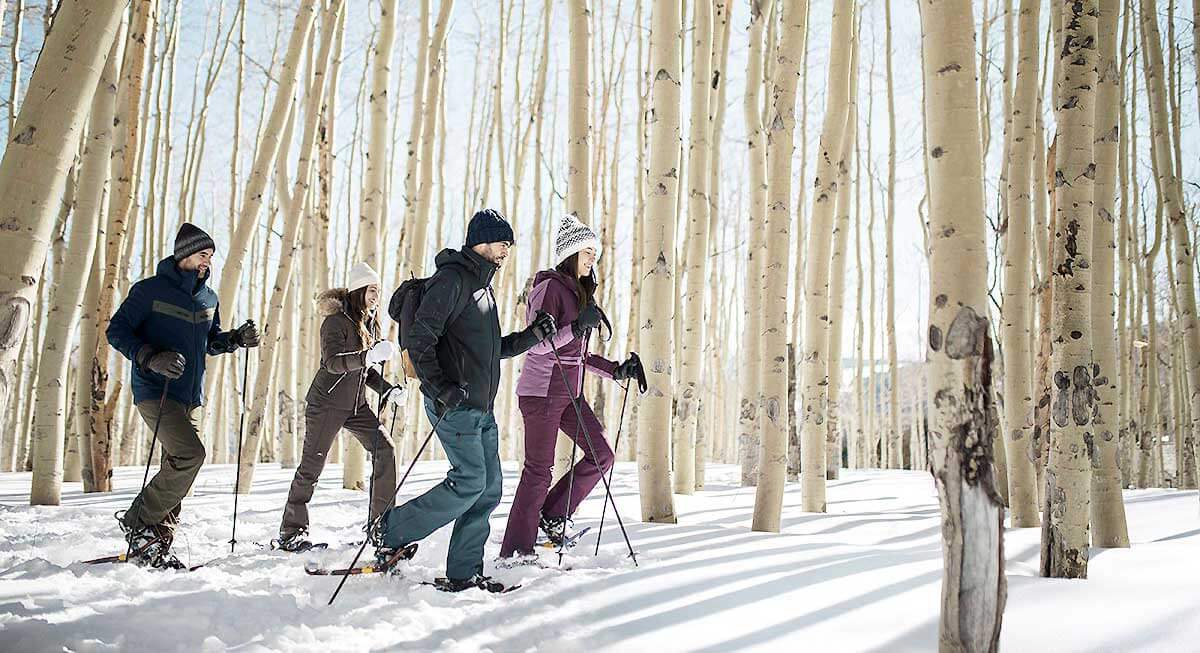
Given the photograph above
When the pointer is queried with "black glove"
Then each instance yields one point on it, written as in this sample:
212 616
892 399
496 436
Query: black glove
450 397
245 335
631 369
167 363
542 326
589 318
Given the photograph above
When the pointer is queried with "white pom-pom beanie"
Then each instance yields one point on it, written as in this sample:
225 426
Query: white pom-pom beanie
574 236
361 275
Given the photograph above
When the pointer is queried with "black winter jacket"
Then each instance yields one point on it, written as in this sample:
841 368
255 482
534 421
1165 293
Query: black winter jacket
455 336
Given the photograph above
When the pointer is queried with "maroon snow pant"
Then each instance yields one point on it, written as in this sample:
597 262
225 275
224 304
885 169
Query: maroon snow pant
544 417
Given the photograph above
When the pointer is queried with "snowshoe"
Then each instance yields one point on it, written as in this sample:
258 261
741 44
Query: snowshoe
553 532
478 581
387 557
386 560
527 559
296 542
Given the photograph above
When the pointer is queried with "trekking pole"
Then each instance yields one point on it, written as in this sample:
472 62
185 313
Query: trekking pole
562 534
374 449
616 443
592 449
393 500
237 477
162 402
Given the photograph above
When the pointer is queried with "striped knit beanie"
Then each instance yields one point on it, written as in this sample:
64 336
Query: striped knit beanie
574 236
191 239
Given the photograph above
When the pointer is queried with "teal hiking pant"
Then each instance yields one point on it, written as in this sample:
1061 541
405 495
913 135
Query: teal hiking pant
467 496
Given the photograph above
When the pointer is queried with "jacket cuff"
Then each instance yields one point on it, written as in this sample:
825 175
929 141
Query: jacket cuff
143 356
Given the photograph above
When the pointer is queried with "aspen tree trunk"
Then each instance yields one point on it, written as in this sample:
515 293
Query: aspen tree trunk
711 418
41 148
14 87
579 155
1107 504
656 319
768 498
1171 203
1018 270
87 344
847 200
699 148
293 205
837 278
1072 400
896 448
814 354
798 262
751 347
421 187
960 348
371 224
70 285
858 448
264 160
120 208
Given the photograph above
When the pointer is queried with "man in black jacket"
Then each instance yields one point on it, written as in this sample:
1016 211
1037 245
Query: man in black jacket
456 347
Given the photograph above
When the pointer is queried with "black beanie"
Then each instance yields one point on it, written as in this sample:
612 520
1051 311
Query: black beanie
488 226
191 239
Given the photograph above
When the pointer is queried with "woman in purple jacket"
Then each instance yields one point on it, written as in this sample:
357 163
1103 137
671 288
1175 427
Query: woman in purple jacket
568 293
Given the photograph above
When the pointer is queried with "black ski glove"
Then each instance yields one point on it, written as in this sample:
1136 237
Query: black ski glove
450 397
245 335
542 326
631 369
167 363
589 318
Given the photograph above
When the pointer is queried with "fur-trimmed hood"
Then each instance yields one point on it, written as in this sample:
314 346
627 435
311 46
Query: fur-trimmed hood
332 301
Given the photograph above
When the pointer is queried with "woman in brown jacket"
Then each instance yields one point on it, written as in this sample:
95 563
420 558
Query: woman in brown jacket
351 350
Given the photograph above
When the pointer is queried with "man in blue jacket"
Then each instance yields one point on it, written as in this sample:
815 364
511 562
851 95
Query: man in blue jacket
166 326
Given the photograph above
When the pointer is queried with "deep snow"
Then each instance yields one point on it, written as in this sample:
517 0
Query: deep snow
865 576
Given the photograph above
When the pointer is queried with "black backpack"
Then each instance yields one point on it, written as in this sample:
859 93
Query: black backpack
402 308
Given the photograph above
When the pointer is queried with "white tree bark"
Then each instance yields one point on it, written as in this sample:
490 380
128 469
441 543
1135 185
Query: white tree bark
70 286
1072 399
292 204
1171 201
116 260
768 497
1107 502
264 162
656 319
1018 269
960 350
41 148
751 347
416 220
699 148
815 351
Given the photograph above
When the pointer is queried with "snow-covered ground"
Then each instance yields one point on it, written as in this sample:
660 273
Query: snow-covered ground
863 577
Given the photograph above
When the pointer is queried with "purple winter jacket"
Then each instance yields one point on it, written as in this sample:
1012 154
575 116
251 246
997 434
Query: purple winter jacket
554 292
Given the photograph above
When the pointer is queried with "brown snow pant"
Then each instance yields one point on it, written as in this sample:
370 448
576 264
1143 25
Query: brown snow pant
182 456
321 428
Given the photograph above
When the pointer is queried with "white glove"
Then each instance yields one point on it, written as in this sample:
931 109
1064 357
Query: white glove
381 352
395 396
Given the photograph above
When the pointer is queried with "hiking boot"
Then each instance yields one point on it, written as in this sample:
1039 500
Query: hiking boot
386 557
477 581
295 542
151 546
553 529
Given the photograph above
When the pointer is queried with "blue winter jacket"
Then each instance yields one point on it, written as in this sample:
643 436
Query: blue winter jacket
171 311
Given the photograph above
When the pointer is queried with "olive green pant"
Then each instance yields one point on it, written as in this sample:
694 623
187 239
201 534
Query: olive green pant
182 456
